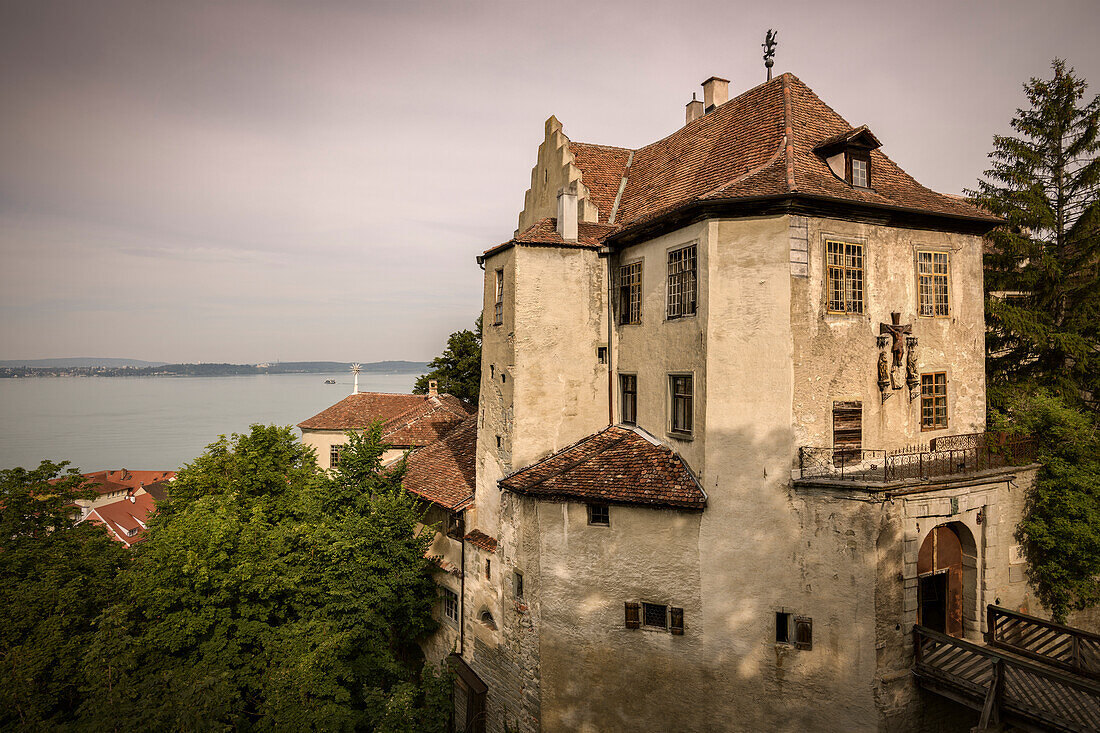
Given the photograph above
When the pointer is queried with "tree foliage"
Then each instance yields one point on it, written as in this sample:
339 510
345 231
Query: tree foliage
458 368
1042 268
56 578
1060 530
267 595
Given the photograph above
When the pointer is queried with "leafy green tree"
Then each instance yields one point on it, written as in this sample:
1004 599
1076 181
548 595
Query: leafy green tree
1060 530
272 596
458 368
56 577
1044 181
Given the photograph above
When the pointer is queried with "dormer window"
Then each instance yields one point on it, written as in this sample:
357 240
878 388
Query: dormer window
859 169
848 155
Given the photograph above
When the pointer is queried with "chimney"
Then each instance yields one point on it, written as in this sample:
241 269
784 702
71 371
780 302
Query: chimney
433 388
716 92
567 213
694 109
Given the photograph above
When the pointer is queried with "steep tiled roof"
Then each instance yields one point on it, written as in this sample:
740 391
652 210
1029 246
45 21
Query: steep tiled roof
482 540
406 419
617 464
443 472
110 481
545 232
759 144
602 167
123 517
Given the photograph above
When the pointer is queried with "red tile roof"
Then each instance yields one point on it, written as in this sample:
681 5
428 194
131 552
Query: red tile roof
545 232
123 517
617 465
443 472
482 540
407 420
110 481
759 144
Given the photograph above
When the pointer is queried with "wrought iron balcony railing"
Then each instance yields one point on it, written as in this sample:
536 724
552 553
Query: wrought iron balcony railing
946 456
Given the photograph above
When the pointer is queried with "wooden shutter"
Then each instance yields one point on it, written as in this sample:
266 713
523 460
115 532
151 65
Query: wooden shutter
847 432
633 615
677 621
803 632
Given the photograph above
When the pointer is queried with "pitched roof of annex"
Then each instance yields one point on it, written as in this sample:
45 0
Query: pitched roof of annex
112 480
124 519
764 145
407 420
618 464
444 472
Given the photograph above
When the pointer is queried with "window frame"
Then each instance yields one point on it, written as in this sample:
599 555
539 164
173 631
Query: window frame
676 282
498 302
630 311
932 276
854 154
334 455
599 514
645 607
673 429
517 584
929 400
449 597
844 268
623 401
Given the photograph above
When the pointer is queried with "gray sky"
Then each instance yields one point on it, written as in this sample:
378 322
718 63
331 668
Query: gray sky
244 181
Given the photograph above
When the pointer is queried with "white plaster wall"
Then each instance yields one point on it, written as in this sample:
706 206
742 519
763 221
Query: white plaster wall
321 441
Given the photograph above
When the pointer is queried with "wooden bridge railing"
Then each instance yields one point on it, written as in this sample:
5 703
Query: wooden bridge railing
1065 647
1004 686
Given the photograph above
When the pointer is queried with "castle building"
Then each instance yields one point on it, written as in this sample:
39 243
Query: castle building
730 441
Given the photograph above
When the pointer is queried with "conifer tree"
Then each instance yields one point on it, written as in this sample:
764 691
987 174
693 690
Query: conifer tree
1042 268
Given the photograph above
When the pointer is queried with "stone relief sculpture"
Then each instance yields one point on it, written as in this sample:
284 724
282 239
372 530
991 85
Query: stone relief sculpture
912 376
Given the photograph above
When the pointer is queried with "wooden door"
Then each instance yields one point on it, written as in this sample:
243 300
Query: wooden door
940 591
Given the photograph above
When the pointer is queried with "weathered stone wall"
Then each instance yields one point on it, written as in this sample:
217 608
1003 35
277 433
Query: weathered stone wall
835 356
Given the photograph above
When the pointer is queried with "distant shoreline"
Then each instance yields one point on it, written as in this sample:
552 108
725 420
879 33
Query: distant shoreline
212 370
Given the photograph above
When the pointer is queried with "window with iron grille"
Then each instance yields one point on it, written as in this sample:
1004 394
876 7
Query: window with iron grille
628 386
844 276
933 401
599 515
630 293
498 307
334 456
933 269
681 282
450 604
682 390
655 615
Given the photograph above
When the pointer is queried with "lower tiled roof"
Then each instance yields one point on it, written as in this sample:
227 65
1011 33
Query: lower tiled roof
544 232
617 465
407 419
443 472
482 540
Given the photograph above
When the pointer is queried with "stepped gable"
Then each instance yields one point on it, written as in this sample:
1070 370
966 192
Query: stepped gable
618 465
407 419
444 472
762 143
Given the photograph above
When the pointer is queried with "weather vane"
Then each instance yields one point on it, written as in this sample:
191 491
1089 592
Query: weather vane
769 50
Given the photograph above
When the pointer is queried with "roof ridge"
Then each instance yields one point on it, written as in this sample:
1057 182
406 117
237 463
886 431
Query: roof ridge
788 137
598 145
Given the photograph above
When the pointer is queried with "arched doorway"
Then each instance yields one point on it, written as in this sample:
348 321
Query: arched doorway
946 578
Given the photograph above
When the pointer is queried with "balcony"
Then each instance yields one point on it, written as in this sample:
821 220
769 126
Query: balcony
952 456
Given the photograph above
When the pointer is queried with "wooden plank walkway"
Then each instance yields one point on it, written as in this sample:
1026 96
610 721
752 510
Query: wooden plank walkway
1073 650
1004 686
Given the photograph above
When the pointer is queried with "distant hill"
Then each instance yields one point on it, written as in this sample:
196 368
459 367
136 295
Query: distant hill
16 369
79 361
390 367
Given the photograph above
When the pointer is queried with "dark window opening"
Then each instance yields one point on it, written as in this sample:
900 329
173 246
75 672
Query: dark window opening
628 386
601 354
517 583
488 568
486 618
682 403
782 627
450 604
599 515
499 442
630 293
498 306
655 615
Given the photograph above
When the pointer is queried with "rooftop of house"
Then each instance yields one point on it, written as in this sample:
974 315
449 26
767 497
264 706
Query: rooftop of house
769 142
110 481
407 420
619 464
125 518
444 472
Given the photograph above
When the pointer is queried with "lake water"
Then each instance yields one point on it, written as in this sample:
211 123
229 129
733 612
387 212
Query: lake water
153 423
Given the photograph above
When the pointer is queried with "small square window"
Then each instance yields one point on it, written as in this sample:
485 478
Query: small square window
655 615
601 354
599 515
